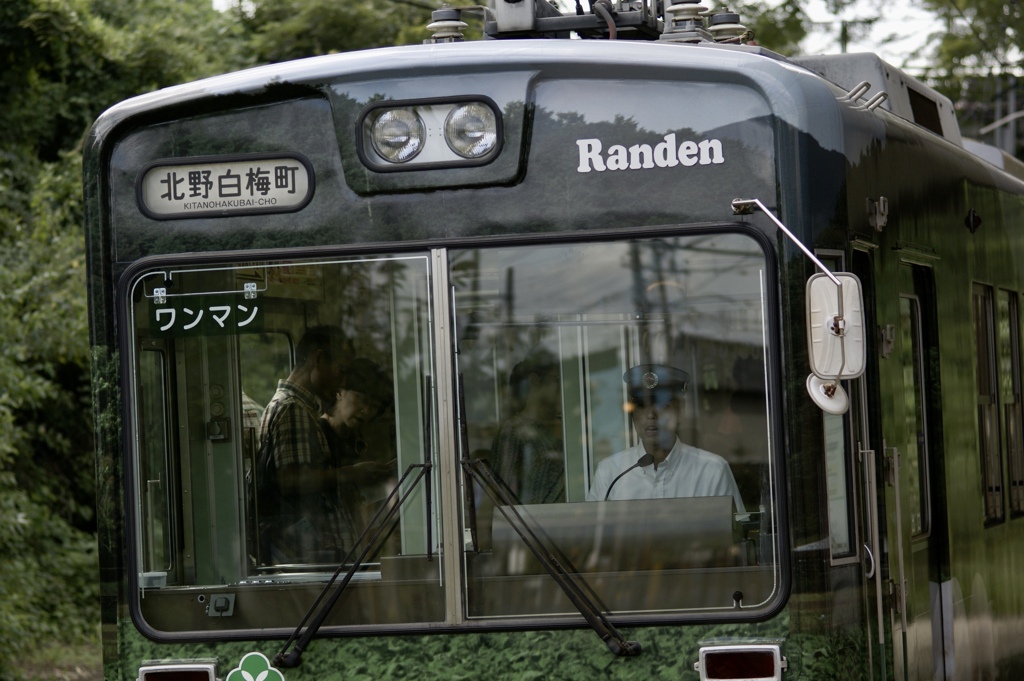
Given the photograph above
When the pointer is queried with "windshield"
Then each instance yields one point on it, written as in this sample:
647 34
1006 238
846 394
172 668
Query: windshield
618 391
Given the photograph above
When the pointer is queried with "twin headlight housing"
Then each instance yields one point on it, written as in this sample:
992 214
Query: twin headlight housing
418 135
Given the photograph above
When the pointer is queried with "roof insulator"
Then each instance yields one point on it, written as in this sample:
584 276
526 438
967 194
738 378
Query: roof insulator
725 26
684 23
447 26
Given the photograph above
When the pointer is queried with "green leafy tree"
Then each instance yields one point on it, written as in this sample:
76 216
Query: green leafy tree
62 62
780 27
981 36
976 56
47 546
282 30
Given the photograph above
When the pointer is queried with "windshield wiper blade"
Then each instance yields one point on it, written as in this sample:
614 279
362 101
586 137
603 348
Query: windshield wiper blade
375 530
555 562
558 566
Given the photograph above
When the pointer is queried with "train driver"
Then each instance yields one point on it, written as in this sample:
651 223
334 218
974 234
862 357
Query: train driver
661 466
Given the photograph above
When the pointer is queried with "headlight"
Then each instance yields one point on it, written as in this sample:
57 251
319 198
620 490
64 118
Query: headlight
429 134
471 130
398 135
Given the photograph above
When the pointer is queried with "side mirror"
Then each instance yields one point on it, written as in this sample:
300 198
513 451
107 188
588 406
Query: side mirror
835 323
835 337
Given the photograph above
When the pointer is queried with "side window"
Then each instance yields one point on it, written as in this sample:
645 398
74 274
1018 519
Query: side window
988 405
916 459
277 407
1010 394
612 389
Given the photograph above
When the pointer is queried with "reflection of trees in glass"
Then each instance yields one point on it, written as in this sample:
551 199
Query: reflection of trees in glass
265 358
408 284
357 297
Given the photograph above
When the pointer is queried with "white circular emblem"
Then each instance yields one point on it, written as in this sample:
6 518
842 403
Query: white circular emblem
649 380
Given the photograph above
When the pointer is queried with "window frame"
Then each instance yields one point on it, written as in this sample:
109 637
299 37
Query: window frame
1011 399
990 436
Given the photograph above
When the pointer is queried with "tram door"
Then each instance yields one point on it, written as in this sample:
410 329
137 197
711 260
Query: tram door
910 413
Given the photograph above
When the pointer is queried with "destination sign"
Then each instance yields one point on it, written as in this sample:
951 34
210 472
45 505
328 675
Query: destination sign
224 186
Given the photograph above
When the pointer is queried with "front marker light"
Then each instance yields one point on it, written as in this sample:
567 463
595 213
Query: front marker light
471 130
429 134
398 135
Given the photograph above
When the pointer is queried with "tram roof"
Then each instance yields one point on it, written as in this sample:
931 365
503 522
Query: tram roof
648 60
802 91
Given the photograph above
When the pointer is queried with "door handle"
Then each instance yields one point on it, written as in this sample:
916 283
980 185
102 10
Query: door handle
871 572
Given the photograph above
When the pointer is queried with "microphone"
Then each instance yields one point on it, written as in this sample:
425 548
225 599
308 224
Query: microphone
646 460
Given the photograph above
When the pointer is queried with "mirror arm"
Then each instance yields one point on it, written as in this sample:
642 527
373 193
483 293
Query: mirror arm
746 207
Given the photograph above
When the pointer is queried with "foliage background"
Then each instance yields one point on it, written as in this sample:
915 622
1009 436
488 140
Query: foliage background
62 62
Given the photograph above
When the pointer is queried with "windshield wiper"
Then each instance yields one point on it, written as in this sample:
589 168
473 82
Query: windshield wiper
557 564
386 515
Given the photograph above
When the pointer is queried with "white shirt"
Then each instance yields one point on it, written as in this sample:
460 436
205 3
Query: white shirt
686 472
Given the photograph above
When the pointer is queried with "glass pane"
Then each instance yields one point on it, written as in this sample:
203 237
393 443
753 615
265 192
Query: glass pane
262 359
837 484
154 465
988 414
576 361
298 407
915 461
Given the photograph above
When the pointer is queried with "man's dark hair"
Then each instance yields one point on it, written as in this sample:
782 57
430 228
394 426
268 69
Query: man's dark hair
331 339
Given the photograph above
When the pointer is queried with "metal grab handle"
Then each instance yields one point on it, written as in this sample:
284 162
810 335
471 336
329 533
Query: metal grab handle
872 495
870 573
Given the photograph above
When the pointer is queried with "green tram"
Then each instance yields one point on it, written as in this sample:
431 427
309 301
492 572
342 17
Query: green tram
510 230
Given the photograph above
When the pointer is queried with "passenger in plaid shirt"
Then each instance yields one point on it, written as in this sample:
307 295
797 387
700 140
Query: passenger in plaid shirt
300 511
